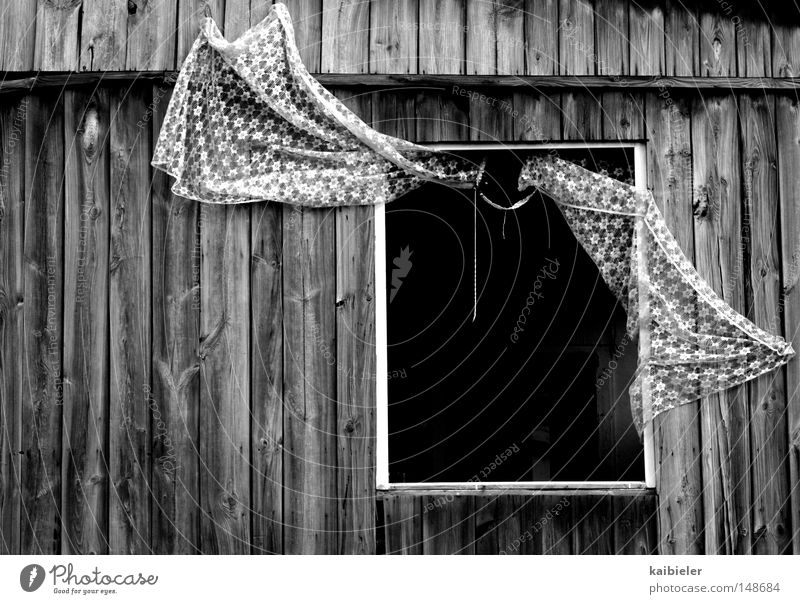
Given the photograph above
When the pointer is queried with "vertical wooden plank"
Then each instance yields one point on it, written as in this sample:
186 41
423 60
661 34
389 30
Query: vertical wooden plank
355 366
354 321
57 29
345 36
576 49
509 18
788 122
43 327
682 39
403 524
538 117
594 526
771 514
719 257
717 43
676 433
785 27
86 239
541 37
634 525
442 42
611 34
17 35
581 115
130 323
623 116
104 33
175 402
481 39
393 37
151 35
267 377
753 41
237 18
518 525
355 354
646 27
556 518
442 117
225 379
309 382
12 215
307 22
190 15
448 524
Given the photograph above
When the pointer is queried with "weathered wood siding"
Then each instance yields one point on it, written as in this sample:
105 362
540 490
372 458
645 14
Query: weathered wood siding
163 379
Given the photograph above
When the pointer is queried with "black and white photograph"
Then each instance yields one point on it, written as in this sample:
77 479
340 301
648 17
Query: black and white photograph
400 277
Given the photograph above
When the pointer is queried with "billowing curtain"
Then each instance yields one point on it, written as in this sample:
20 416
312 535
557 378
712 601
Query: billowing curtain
247 122
694 344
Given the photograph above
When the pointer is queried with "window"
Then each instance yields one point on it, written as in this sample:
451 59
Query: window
533 391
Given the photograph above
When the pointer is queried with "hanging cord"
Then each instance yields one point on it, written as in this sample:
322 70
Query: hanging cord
478 179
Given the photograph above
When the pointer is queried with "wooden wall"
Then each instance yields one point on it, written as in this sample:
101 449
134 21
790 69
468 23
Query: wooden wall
163 383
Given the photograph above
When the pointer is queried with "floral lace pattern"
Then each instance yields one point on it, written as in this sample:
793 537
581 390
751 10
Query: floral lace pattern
698 344
247 122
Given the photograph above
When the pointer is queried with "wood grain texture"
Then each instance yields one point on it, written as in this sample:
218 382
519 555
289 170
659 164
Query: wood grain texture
481 38
393 36
509 24
771 514
175 402
152 30
442 42
448 525
537 118
345 36
541 37
12 338
266 357
676 433
576 48
594 526
581 116
623 116
635 527
785 48
86 348
356 362
103 34
788 140
401 524
717 43
646 36
682 39
753 32
307 20
17 35
57 42
190 15
41 351
309 382
720 249
612 45
130 325
225 379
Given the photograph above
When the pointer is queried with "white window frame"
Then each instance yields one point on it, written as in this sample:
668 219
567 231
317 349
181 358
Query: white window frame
381 343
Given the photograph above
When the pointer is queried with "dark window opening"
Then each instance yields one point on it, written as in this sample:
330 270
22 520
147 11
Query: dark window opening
535 388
